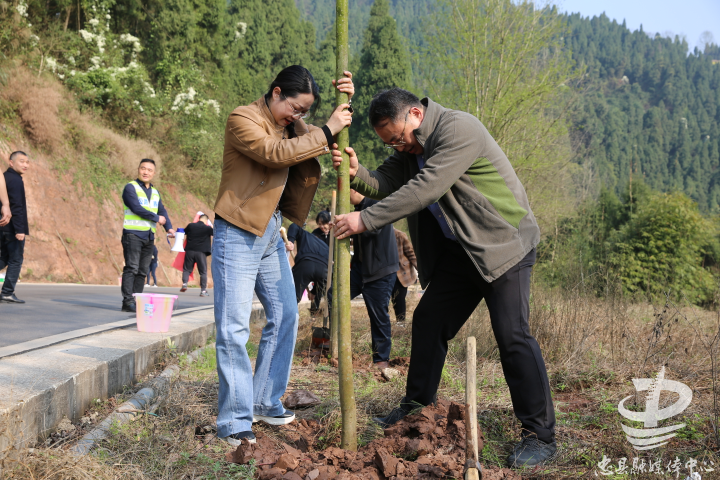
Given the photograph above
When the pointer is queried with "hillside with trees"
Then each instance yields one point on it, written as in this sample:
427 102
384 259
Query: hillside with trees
587 110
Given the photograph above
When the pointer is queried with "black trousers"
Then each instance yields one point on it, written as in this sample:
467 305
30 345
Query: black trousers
192 258
11 255
398 300
376 295
455 290
138 255
306 271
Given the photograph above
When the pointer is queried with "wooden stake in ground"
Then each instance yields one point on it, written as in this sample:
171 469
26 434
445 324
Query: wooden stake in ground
67 250
472 467
348 438
324 302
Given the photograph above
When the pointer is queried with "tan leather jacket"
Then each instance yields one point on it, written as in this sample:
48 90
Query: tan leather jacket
408 263
263 170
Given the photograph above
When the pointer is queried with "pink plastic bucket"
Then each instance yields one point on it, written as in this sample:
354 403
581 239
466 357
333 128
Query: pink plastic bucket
154 311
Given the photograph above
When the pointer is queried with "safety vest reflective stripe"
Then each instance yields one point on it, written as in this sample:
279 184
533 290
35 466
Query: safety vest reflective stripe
136 222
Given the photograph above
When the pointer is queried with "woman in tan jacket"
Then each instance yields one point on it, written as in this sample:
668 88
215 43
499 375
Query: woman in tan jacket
269 172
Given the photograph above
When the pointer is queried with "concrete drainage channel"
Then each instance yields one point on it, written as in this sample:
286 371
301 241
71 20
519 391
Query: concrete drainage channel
147 400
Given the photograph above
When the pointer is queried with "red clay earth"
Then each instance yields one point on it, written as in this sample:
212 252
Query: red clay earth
429 444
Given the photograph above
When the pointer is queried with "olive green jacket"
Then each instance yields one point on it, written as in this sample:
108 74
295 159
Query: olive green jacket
474 183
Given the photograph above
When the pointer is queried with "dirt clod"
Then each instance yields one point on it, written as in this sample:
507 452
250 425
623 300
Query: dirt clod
300 399
287 462
390 373
434 438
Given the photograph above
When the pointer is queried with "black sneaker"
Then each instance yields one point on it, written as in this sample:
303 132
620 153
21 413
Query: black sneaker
184 287
204 293
236 438
128 307
530 452
395 416
10 299
283 419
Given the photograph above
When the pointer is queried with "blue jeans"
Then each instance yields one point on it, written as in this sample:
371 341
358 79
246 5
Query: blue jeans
243 262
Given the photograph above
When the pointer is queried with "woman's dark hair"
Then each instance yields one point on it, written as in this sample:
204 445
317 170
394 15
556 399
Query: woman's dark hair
293 81
391 104
323 217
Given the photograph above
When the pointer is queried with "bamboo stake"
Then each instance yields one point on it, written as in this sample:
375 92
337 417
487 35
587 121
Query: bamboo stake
348 438
335 313
328 283
472 470
71 257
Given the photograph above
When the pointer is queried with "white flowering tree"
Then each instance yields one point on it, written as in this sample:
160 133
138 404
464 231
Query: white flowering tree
105 70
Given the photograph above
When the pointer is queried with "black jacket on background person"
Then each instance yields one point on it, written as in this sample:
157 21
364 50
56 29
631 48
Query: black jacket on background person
325 237
308 245
376 250
18 207
198 237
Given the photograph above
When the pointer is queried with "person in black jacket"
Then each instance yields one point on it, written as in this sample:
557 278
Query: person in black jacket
196 252
323 227
373 271
311 263
12 235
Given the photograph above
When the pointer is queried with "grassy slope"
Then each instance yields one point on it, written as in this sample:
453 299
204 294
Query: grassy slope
593 349
78 170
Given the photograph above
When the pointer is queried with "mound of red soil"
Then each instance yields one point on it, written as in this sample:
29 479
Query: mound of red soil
429 444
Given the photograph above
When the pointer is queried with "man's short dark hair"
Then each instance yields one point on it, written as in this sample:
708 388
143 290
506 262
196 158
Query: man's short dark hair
147 160
205 217
391 104
16 154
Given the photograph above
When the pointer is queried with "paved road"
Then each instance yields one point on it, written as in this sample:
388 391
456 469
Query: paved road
54 309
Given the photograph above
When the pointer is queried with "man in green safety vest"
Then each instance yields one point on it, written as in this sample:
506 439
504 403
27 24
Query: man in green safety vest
143 211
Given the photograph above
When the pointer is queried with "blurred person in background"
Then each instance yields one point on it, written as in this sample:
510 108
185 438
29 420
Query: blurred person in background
373 273
406 275
197 249
13 233
153 267
311 264
323 226
5 213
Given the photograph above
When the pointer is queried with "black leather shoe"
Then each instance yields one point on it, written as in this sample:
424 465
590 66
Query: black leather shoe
395 416
530 452
128 307
10 299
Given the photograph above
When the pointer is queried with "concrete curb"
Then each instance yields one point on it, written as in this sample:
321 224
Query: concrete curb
31 345
145 400
40 387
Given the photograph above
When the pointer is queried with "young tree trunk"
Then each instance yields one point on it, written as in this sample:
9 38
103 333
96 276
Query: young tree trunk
348 439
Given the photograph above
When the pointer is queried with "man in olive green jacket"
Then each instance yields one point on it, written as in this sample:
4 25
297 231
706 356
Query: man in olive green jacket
474 236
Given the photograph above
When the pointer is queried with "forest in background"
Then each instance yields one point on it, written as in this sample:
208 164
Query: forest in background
612 131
